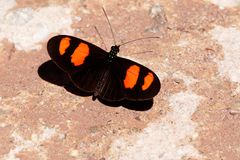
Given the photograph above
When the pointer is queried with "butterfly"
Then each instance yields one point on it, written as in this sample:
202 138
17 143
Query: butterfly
100 73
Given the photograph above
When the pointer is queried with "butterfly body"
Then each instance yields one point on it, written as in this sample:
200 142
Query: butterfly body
101 73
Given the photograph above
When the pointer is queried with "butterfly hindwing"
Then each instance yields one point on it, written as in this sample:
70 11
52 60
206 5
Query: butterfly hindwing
112 85
88 78
100 79
71 53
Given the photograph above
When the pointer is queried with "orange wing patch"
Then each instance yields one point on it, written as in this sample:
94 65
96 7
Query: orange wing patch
80 54
131 76
147 81
64 44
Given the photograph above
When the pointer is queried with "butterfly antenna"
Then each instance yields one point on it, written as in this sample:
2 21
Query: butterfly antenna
109 25
137 40
100 37
142 52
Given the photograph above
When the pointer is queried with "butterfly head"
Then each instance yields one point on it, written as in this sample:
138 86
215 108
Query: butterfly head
113 52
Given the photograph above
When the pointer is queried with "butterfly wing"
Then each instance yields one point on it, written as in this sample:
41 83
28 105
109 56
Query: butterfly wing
87 79
138 82
131 81
81 60
72 54
111 89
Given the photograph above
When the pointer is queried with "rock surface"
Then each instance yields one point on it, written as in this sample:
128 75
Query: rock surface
196 114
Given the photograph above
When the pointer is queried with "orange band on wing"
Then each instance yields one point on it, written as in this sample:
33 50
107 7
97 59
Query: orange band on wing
131 76
79 55
147 81
64 44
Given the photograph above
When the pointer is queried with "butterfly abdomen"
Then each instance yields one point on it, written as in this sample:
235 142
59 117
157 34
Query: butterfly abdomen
102 81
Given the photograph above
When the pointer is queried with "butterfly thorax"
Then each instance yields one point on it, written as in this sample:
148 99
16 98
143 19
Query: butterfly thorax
113 53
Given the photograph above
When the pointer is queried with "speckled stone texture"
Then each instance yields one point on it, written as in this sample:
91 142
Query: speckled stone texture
196 115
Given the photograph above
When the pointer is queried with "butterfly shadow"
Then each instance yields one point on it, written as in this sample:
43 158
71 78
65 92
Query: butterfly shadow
49 72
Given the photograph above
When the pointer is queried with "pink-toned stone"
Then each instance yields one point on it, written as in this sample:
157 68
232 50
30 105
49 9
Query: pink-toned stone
39 120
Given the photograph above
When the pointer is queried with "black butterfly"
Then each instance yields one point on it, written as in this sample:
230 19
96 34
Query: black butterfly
101 73
93 70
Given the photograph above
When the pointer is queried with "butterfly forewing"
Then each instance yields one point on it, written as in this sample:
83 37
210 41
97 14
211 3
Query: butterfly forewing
72 54
138 82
